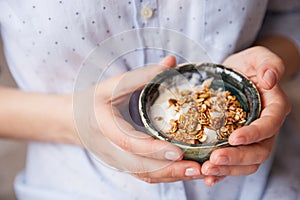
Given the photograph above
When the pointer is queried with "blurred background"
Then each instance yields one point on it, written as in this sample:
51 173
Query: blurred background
12 153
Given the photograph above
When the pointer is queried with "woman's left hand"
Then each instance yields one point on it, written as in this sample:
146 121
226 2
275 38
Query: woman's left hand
254 142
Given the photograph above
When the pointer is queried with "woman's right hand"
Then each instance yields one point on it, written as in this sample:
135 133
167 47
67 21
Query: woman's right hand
114 141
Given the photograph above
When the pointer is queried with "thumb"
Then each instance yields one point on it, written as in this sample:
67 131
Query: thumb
270 69
131 81
267 77
168 61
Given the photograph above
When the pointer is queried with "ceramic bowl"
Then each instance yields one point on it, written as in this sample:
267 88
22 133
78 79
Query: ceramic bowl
194 74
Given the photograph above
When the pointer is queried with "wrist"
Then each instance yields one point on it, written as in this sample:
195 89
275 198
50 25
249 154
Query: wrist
65 121
37 117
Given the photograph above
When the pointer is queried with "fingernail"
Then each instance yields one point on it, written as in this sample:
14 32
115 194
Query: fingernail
192 172
210 182
270 78
171 155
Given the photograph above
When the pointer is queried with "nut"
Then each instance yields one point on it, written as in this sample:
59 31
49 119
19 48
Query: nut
207 108
203 138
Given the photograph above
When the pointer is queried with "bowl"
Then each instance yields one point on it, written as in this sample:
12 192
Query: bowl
172 108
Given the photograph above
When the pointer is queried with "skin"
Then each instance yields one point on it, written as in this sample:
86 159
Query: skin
59 118
273 55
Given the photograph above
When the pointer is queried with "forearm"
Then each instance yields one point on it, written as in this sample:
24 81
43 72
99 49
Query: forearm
39 117
285 49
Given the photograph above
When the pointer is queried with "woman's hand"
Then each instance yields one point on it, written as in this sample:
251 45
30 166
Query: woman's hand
114 141
254 142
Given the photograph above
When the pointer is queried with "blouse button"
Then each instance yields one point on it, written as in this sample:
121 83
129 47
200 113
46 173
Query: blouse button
146 12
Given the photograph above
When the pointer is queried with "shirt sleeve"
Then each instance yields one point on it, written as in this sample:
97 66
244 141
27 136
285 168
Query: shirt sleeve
283 18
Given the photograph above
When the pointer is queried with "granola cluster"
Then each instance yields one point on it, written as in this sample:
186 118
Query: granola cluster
205 115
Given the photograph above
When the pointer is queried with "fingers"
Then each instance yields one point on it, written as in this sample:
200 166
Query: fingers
144 168
265 69
163 180
272 117
270 68
122 134
168 61
172 171
211 180
127 83
117 90
258 62
255 132
237 161
210 169
147 169
243 155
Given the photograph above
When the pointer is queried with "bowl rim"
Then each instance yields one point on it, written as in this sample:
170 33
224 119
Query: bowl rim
219 69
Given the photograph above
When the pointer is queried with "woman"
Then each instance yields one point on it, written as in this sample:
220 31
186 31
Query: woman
64 56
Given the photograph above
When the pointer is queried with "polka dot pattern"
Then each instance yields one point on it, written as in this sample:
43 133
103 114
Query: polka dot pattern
83 27
46 43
